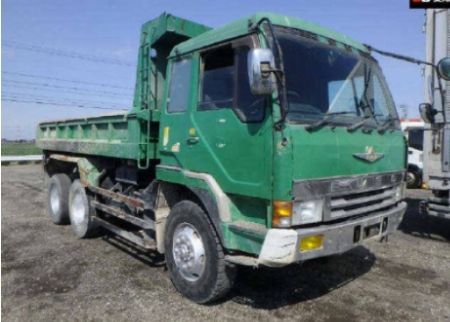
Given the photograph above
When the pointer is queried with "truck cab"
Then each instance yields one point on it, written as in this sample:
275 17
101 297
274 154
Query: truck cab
267 141
307 178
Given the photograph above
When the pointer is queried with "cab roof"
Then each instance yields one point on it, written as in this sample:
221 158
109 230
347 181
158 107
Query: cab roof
241 27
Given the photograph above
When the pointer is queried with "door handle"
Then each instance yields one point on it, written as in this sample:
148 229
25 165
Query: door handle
193 140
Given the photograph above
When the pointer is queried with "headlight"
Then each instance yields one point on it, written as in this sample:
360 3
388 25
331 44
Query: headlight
400 192
307 212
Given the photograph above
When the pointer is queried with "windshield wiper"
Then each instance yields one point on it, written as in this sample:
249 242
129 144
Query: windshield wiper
357 125
367 107
388 123
326 120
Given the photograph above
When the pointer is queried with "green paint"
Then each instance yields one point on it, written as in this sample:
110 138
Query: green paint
328 152
110 136
240 28
247 160
245 242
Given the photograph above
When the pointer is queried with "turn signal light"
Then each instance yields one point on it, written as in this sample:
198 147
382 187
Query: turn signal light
311 243
282 213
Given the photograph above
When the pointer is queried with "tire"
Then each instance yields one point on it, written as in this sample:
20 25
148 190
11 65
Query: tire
80 211
188 227
58 198
413 179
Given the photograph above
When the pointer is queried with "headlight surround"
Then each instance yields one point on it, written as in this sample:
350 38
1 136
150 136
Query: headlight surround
307 212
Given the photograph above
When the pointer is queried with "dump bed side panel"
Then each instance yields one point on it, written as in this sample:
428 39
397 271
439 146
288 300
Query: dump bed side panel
110 136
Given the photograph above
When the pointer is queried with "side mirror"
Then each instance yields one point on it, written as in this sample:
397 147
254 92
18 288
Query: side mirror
443 68
427 112
260 63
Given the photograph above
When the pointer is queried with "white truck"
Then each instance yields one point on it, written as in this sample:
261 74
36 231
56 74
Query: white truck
414 129
436 114
435 111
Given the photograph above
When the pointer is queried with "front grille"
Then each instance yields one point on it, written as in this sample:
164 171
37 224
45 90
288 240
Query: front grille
361 203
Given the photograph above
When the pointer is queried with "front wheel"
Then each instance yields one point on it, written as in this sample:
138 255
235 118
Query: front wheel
413 179
194 255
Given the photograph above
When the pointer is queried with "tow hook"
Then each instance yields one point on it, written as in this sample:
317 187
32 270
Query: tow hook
384 226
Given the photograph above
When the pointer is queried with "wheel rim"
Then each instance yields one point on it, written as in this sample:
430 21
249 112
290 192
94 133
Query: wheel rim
188 252
77 209
55 201
410 178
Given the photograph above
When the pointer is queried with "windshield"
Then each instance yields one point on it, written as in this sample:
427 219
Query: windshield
322 79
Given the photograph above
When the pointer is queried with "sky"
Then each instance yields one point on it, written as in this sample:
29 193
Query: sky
105 35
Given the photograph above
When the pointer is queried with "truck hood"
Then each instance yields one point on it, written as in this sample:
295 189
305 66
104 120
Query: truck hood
329 152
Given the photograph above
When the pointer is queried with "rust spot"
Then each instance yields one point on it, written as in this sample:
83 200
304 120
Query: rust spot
137 203
66 158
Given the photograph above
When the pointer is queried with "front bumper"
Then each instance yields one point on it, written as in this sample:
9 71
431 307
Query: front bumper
282 246
437 207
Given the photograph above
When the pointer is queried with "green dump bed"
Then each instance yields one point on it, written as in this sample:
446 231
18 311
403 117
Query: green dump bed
133 135
110 135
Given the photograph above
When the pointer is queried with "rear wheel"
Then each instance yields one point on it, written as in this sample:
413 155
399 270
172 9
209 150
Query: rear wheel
58 198
80 211
194 255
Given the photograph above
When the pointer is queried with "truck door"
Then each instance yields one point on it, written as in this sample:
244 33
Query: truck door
226 132
232 125
175 117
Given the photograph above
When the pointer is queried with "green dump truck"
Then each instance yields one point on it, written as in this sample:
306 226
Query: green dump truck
267 141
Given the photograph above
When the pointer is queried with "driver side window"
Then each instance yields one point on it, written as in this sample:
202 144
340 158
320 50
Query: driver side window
224 83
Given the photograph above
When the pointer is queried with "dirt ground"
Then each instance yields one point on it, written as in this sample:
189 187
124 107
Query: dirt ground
48 274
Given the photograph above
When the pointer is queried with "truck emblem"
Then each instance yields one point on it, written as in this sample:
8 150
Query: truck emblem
370 155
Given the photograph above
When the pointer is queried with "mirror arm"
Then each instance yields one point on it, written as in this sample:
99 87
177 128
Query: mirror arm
279 72
414 61
400 57
276 71
441 92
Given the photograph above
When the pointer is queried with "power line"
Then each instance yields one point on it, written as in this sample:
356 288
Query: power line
60 87
69 91
66 53
71 99
60 104
65 80
65 102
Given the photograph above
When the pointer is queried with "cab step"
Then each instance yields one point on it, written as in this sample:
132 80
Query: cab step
137 238
119 213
